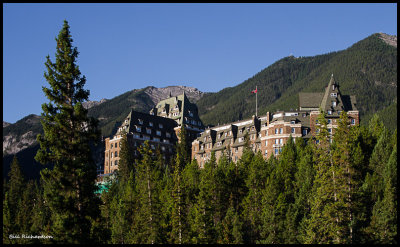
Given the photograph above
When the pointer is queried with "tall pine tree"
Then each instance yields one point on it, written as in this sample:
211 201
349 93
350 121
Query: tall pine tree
68 131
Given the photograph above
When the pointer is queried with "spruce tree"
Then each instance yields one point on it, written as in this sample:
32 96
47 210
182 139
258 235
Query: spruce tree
147 216
68 131
126 159
13 202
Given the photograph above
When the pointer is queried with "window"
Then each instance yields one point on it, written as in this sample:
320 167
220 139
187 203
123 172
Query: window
317 130
266 152
136 135
236 150
167 141
116 154
140 121
353 121
329 112
138 129
276 131
293 122
148 131
266 143
334 95
304 132
281 141
156 139
112 145
293 130
333 103
329 121
116 163
281 130
276 151
304 115
160 126
330 130
317 141
241 139
152 146
240 131
167 134
333 87
151 124
158 132
112 154
276 141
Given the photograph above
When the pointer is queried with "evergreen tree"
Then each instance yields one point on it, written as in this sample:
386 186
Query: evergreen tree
252 203
322 224
68 188
383 226
13 202
147 215
204 209
178 206
126 159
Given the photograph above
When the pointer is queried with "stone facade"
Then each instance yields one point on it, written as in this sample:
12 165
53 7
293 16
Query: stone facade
161 128
269 133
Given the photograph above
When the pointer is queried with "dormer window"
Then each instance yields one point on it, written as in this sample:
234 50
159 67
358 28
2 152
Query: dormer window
140 121
334 95
292 121
333 103
333 87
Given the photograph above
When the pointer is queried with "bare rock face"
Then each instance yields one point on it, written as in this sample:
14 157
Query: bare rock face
157 94
20 135
389 39
5 124
89 104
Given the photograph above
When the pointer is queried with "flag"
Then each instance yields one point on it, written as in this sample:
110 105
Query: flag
254 91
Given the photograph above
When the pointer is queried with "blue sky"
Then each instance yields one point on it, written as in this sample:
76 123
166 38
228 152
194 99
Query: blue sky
208 46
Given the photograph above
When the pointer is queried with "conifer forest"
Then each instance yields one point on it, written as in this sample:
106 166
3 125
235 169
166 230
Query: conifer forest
314 192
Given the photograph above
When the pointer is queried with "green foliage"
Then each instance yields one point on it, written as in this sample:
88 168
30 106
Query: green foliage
368 69
69 187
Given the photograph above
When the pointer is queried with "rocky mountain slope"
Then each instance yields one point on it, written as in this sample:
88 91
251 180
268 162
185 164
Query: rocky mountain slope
21 135
367 69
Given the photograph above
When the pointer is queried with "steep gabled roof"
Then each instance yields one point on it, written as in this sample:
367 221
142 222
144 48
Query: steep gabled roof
328 99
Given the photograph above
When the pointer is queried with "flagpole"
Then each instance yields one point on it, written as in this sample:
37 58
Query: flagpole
256 100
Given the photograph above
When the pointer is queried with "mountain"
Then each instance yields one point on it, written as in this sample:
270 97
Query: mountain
367 69
21 135
89 104
20 138
113 111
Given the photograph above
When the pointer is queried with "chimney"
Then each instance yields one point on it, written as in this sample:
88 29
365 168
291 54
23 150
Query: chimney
268 118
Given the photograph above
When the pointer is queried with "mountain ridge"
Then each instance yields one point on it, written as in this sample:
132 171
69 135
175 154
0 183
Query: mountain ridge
367 69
